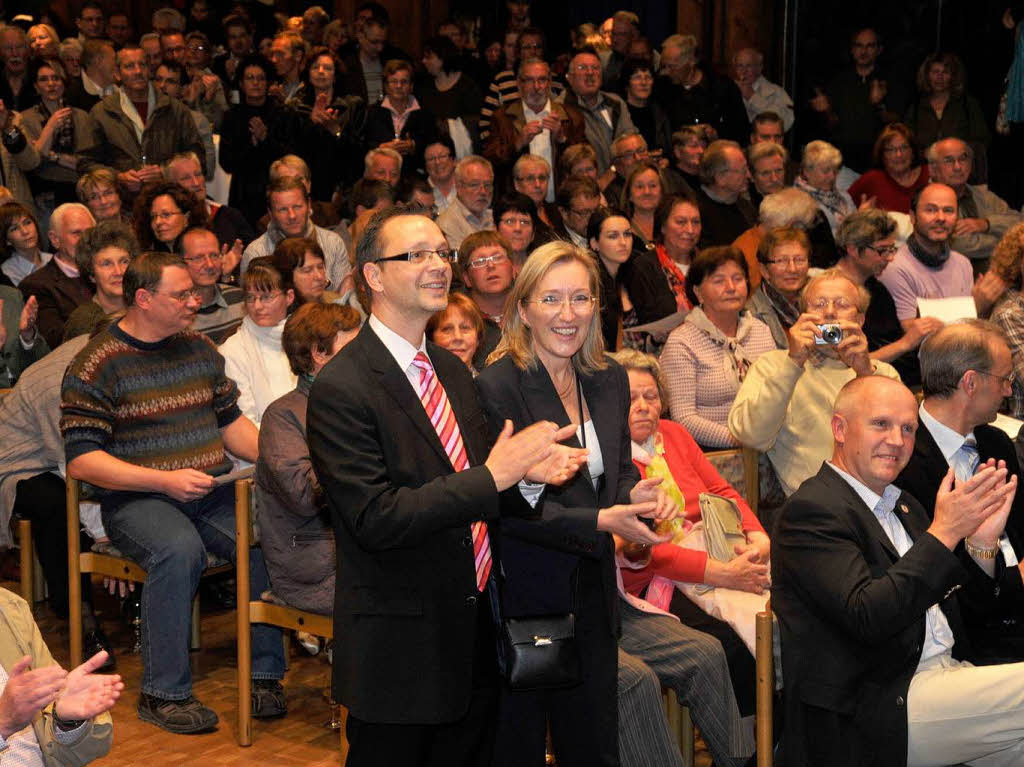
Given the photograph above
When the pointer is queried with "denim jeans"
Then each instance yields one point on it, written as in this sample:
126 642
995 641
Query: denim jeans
170 540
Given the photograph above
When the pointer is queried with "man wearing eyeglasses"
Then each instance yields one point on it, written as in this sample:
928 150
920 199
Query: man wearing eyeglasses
220 309
784 405
967 372
983 216
401 447
148 417
605 114
471 210
533 124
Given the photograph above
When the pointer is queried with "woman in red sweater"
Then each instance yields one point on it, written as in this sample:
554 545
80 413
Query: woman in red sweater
692 474
897 173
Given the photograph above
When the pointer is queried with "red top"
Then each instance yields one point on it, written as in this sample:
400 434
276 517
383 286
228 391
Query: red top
887 193
695 475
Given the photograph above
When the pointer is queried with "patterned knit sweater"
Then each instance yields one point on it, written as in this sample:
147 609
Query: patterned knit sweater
159 405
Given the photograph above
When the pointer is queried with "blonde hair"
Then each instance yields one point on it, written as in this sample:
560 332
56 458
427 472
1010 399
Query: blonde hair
517 338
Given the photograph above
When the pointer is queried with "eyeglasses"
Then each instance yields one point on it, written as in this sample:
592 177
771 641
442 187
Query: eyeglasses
214 257
182 296
839 304
580 303
585 68
791 261
513 220
483 262
961 159
437 157
165 215
635 154
587 213
1008 379
888 250
262 298
900 149
447 255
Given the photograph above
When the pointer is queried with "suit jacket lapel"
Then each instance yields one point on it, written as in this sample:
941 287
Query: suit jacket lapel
606 423
866 515
394 381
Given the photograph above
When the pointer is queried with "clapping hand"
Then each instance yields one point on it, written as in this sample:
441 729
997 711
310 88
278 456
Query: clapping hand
28 691
232 256
87 694
665 509
27 322
559 467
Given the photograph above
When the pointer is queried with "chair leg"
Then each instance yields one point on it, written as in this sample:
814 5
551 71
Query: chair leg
765 686
686 739
74 574
195 638
27 565
243 522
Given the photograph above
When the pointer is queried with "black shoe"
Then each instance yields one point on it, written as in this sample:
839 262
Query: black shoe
268 699
95 641
184 717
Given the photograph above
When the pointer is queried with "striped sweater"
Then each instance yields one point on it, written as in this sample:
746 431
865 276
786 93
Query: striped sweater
159 405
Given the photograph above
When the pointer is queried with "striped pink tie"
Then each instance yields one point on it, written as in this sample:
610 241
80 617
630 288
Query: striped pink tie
440 413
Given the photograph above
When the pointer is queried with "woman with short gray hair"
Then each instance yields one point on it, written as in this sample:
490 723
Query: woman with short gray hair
818 172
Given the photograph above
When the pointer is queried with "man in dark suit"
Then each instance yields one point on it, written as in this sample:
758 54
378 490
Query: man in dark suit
873 646
414 658
969 373
59 288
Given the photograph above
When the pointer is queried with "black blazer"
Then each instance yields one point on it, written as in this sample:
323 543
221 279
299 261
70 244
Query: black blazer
921 477
852 617
541 552
406 602
420 126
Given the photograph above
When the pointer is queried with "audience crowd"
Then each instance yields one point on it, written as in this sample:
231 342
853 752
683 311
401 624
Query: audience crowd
493 322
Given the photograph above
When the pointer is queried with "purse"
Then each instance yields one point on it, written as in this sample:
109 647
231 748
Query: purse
540 652
723 526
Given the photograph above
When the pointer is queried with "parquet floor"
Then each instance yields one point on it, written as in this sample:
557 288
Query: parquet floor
297 739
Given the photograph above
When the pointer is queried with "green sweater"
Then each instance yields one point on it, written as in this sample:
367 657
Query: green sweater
159 405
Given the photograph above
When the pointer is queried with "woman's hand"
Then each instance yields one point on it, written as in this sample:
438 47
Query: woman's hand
57 119
27 321
230 257
744 572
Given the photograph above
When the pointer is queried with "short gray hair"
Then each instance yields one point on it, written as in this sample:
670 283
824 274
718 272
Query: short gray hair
471 159
787 207
627 135
62 211
383 151
294 161
763 149
634 359
818 153
716 159
863 297
529 159
951 351
863 227
931 154
106 234
190 155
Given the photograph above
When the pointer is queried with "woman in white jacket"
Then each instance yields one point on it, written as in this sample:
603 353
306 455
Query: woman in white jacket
253 356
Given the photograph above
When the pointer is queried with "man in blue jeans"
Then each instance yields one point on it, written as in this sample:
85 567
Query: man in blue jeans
147 416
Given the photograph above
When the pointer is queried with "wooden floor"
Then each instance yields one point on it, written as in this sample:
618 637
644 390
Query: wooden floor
297 739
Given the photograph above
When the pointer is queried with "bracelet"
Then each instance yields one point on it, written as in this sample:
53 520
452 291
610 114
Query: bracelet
979 553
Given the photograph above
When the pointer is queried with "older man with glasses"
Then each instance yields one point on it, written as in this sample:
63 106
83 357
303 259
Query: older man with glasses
474 191
605 115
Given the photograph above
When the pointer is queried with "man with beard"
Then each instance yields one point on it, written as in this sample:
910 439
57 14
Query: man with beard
926 266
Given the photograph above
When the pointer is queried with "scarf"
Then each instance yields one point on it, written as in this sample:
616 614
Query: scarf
676 278
735 362
64 136
271 374
931 260
838 204
788 313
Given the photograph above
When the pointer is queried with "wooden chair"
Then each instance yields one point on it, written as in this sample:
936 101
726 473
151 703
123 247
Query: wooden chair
260 611
749 458
110 566
680 725
765 659
32 584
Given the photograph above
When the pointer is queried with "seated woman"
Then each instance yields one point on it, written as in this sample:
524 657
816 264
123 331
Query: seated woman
399 122
642 194
657 281
301 259
707 357
581 160
784 257
636 82
58 132
515 219
98 190
818 172
688 145
944 108
163 212
1008 312
611 239
253 356
102 254
459 328
295 527
19 244
896 174
690 474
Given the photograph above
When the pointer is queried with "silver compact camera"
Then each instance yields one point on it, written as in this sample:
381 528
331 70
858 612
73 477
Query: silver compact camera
831 335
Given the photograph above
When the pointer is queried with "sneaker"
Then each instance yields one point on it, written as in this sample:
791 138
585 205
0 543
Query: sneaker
184 717
95 641
268 699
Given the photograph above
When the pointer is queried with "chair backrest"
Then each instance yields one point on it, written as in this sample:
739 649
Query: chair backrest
739 467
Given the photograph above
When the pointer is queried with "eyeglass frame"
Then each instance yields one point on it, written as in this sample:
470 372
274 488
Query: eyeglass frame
449 256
